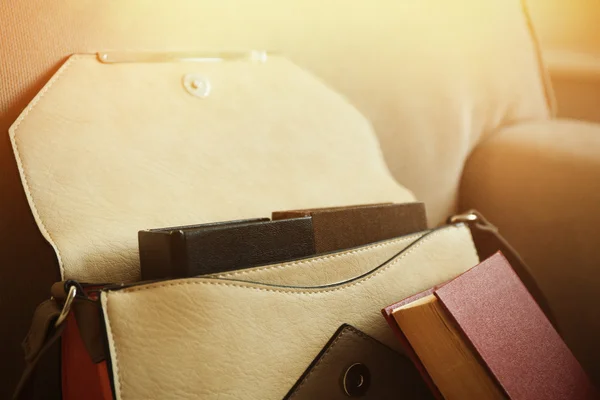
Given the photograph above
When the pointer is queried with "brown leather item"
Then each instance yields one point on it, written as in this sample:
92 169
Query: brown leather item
188 251
354 365
42 344
43 318
337 228
89 321
41 354
87 314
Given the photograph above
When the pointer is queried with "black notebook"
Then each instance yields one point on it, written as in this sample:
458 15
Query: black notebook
187 251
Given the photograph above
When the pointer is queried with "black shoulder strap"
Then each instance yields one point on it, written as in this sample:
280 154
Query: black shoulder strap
41 345
488 241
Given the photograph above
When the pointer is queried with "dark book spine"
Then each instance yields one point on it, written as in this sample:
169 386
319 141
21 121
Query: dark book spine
180 263
157 258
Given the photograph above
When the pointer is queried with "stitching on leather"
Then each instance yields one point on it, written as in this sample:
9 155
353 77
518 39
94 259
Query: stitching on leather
318 364
24 179
265 289
113 347
323 258
360 334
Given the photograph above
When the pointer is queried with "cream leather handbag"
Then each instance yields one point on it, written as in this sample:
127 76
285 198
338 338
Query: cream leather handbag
245 334
116 143
249 338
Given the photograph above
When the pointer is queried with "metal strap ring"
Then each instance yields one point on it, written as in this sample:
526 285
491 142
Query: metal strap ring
467 217
67 307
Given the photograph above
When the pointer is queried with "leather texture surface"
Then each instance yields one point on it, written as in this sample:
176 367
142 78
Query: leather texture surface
223 247
43 320
387 374
539 183
226 339
346 227
512 335
326 269
125 147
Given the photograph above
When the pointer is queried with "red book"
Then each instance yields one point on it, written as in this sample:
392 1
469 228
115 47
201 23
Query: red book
509 335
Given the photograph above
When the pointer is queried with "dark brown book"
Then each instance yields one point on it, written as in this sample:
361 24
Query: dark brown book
186 251
337 228
482 334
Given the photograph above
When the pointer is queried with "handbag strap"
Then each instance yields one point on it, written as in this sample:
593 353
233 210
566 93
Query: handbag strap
488 241
41 342
45 332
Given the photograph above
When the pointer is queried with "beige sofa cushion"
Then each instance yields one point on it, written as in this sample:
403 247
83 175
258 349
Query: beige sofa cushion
433 76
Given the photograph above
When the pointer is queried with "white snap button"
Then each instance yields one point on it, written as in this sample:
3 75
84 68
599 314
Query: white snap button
196 85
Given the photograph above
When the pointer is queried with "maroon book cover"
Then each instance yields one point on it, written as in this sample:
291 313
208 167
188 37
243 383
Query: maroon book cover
511 334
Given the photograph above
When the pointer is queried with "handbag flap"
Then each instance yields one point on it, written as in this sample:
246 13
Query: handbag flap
107 149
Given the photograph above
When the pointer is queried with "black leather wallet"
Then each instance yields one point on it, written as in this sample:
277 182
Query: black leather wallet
186 251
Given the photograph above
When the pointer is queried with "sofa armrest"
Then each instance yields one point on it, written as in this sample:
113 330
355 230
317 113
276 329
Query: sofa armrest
539 182
576 83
